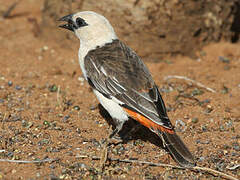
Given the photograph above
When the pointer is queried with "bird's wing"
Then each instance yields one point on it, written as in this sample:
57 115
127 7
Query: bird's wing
119 74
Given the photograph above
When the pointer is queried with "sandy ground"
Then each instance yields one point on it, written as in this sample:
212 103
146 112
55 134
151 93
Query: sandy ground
47 110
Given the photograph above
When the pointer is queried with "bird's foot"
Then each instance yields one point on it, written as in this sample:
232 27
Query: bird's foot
112 139
104 154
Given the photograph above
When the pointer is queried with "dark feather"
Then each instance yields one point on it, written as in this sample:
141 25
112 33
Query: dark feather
126 78
116 71
177 149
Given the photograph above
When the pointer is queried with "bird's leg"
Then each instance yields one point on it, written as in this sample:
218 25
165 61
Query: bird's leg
104 155
114 132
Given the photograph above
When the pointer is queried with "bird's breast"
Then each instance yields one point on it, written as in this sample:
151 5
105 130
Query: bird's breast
81 56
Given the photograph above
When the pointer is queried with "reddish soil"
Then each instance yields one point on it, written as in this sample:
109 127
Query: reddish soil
48 111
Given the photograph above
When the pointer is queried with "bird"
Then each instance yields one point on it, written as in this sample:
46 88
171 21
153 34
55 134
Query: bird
122 82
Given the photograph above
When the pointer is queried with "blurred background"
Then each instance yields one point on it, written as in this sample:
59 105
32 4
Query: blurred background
159 27
164 27
47 110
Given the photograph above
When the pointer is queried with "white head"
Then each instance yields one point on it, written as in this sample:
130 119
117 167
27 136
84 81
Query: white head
91 28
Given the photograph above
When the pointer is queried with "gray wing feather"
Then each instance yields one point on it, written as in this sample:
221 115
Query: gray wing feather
126 78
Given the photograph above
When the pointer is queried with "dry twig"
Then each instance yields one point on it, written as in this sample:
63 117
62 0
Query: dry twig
6 14
4 118
22 161
208 170
58 97
234 167
212 171
190 80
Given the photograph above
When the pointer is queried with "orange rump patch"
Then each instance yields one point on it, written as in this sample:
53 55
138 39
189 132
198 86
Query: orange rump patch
146 122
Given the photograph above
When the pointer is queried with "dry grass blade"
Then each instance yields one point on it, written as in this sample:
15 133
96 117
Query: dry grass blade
58 97
234 167
208 170
22 161
212 171
190 80
7 13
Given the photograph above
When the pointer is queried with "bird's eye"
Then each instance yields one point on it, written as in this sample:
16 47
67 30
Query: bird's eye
80 22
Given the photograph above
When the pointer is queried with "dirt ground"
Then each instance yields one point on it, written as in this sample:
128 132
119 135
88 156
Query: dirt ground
47 110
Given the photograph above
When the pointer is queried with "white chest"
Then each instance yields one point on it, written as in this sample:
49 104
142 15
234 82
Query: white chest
81 54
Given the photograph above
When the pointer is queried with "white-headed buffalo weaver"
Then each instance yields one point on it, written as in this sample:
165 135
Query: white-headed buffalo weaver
121 81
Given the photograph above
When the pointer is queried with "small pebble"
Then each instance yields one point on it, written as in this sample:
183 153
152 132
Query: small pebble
202 142
40 57
52 166
224 90
26 124
204 128
236 137
206 101
83 166
69 103
76 108
96 143
53 88
227 67
203 53
223 59
78 130
46 123
169 109
10 83
235 154
236 146
229 124
166 89
14 171
43 142
208 110
221 128
65 118
60 115
180 125
81 79
45 48
93 107
17 87
201 158
80 165
225 152
194 120
97 122
38 175
69 153
196 92
10 154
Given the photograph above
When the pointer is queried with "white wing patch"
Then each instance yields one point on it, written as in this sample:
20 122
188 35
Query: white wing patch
116 81
103 70
95 66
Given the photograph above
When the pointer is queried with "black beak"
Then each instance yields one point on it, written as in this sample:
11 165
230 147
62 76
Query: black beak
70 24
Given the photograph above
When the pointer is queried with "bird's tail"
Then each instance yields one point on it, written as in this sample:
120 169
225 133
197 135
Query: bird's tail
177 149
